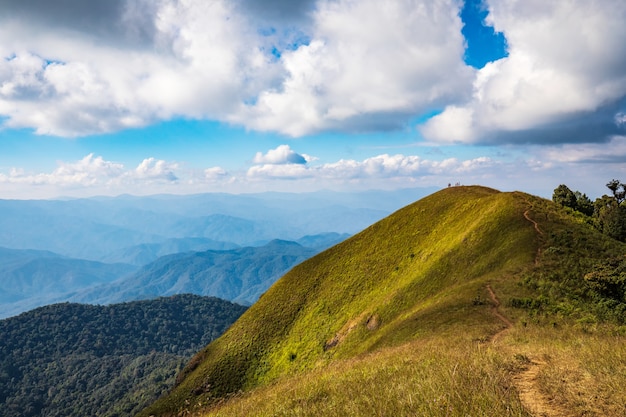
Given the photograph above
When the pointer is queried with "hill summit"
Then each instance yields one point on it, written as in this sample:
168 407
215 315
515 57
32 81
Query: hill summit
413 293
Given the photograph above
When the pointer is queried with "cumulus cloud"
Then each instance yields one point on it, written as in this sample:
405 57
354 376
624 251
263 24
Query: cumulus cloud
76 68
94 171
154 169
215 173
291 67
200 61
283 154
367 67
564 79
88 171
378 167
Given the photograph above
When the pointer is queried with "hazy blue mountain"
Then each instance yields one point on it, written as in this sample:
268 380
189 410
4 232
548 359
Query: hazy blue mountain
148 252
322 241
71 245
239 275
62 227
105 227
33 278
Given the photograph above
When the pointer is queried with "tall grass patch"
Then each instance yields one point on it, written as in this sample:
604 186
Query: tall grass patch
430 378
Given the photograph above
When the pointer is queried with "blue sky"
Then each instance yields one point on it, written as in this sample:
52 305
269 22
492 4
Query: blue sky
186 96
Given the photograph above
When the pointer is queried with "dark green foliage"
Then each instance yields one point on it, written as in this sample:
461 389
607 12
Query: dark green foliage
608 213
575 200
610 217
618 189
73 359
564 196
583 203
608 279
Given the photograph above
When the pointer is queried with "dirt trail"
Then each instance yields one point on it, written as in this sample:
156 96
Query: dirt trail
527 217
537 229
538 404
496 312
526 382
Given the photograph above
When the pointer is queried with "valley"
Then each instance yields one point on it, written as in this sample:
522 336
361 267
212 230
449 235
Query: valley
469 301
106 249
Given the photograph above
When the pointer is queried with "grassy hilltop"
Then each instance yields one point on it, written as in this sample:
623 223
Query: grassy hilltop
467 302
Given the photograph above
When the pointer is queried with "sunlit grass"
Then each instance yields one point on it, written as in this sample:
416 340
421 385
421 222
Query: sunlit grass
456 377
308 347
584 370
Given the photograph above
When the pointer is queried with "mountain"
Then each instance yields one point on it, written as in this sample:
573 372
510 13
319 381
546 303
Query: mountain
73 359
148 252
239 275
129 229
467 302
323 240
33 278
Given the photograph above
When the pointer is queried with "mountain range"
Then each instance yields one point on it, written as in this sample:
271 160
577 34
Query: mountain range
106 249
134 230
35 278
239 275
468 302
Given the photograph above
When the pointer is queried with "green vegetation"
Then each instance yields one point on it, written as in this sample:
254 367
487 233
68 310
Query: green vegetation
398 321
607 213
73 359
240 275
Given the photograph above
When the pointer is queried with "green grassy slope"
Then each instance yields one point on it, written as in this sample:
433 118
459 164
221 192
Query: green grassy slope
382 287
404 300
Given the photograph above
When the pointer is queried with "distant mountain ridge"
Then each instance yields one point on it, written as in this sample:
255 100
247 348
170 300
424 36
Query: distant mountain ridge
35 278
31 278
240 275
79 243
145 253
106 228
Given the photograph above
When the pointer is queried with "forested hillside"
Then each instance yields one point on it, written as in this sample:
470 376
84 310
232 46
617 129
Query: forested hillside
239 275
82 360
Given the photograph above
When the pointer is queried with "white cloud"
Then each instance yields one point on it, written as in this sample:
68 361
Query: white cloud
153 169
95 171
377 167
369 66
215 173
614 151
586 168
365 66
562 81
86 172
342 65
283 154
204 59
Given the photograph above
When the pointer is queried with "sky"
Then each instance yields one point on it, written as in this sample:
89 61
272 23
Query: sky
109 97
